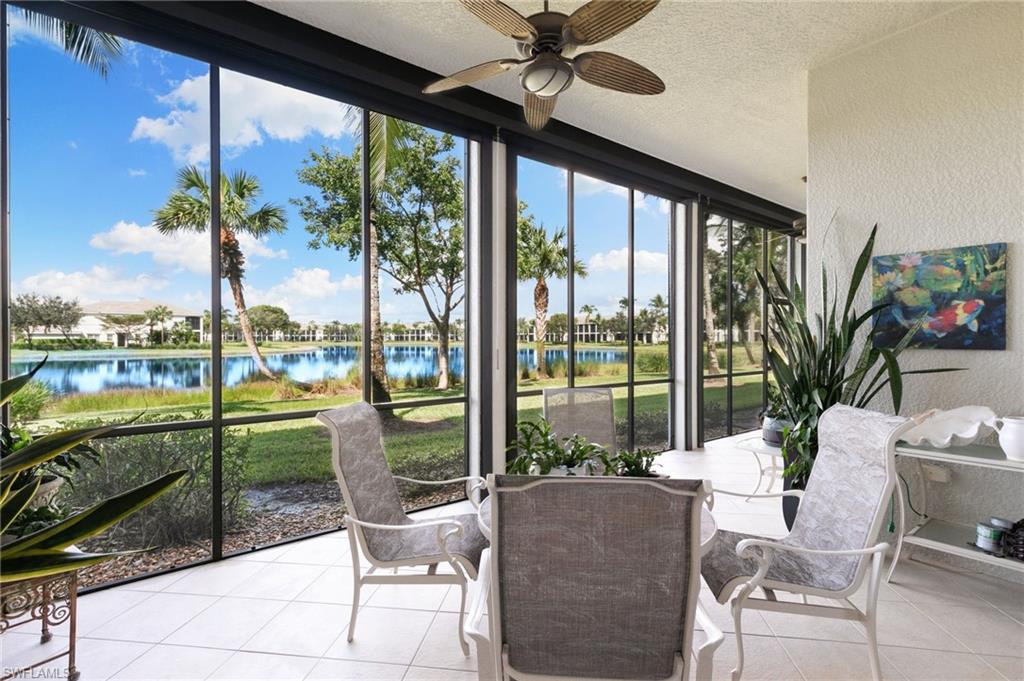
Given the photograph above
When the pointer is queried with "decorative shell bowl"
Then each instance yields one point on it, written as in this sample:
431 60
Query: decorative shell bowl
955 427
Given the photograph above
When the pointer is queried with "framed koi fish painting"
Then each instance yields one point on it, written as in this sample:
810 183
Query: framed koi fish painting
958 294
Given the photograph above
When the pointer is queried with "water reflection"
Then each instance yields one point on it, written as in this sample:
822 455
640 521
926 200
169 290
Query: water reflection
95 372
90 372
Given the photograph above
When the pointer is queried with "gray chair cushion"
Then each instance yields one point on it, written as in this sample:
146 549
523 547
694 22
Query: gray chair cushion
848 490
721 565
587 412
371 494
421 544
593 576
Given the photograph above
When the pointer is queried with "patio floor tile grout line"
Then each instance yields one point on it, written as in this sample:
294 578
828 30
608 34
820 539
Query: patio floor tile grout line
953 636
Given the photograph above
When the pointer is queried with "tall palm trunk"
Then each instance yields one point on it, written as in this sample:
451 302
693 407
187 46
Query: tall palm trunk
231 266
709 327
243 322
380 388
540 324
748 339
442 355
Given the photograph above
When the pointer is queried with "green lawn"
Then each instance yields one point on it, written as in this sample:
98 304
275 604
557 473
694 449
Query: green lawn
421 442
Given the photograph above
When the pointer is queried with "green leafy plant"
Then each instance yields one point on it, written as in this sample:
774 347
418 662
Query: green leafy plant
811 362
637 464
541 451
538 446
43 552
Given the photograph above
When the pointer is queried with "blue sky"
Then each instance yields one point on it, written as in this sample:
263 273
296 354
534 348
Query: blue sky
91 160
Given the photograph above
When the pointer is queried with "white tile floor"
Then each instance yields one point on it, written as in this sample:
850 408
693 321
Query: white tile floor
282 613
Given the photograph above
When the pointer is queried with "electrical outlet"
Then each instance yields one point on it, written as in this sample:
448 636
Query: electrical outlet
936 473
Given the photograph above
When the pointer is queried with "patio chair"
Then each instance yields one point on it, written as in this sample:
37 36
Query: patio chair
834 539
591 578
380 527
587 412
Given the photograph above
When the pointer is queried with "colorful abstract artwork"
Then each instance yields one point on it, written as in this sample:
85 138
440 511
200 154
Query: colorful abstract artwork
958 293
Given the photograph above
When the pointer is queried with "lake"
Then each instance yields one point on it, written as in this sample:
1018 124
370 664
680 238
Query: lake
93 372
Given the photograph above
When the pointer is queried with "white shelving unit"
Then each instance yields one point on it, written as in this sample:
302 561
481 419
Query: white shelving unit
941 535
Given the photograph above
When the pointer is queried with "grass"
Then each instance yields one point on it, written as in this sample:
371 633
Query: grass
648 362
257 397
300 451
740 361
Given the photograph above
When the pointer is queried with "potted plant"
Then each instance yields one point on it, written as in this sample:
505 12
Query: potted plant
541 452
818 366
773 418
49 549
581 457
638 464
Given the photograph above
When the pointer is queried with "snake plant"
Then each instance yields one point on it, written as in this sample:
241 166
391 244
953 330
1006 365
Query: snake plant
811 364
45 552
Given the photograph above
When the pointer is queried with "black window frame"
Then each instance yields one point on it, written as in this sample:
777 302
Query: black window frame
633 185
767 233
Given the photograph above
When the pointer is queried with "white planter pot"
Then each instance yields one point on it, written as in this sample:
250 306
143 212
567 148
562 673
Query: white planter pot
1011 437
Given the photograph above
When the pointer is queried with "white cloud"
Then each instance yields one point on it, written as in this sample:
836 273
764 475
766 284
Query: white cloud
136 172
73 145
588 186
180 251
653 204
617 260
311 293
97 283
19 30
253 247
254 109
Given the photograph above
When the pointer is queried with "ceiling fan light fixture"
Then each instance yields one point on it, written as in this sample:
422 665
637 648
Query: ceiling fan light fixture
546 76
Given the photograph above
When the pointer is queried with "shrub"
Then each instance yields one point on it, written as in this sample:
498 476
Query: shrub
183 514
591 368
62 344
652 363
28 403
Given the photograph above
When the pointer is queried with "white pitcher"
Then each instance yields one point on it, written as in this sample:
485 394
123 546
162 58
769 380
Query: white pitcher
1011 437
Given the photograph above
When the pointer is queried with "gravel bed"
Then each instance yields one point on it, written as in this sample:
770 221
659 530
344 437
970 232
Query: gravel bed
276 513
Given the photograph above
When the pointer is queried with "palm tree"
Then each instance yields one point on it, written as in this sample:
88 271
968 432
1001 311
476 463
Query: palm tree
159 315
659 307
388 138
587 311
188 210
95 49
539 258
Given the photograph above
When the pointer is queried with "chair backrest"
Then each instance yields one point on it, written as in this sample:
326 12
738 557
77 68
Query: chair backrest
366 482
587 412
595 577
848 491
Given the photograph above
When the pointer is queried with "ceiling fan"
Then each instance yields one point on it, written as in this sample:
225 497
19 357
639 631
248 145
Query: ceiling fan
547 44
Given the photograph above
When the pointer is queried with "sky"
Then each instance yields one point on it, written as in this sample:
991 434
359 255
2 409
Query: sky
91 160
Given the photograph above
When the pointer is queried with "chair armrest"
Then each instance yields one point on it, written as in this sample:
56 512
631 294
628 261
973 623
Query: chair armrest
474 619
774 495
473 483
446 527
745 549
410 526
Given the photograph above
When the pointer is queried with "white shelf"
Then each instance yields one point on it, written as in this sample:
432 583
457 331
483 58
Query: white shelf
956 539
968 455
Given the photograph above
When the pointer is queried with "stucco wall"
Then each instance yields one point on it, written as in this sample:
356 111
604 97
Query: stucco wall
923 133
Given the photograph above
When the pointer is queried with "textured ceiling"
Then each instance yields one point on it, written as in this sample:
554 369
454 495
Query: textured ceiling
735 108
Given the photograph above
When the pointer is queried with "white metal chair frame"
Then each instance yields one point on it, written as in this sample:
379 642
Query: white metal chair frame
446 528
763 552
486 595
